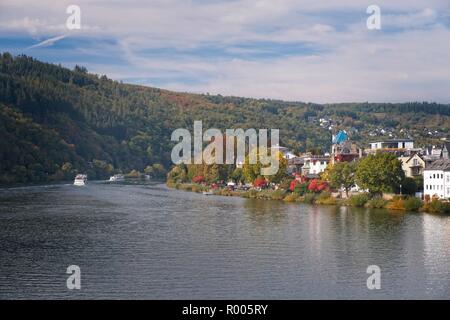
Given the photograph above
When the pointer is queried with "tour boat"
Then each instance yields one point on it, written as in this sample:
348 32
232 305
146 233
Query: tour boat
117 177
80 180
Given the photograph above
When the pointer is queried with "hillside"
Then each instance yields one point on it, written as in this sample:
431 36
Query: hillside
55 121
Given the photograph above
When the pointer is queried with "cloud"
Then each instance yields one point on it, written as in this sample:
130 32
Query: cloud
309 50
48 42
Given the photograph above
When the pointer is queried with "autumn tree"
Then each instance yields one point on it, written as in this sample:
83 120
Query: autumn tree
252 170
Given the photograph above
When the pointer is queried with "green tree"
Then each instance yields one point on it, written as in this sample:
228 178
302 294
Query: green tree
178 174
378 173
158 170
253 171
237 175
342 175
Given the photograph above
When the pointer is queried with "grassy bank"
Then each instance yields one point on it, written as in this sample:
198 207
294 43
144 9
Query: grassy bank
364 200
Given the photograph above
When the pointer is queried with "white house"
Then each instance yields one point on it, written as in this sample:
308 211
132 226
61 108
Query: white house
287 154
436 179
406 144
315 165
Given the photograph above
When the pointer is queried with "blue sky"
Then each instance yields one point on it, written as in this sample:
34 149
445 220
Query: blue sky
306 50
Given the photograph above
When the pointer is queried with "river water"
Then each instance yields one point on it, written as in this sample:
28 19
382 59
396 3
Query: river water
150 242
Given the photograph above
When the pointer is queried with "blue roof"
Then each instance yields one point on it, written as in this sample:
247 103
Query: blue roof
340 137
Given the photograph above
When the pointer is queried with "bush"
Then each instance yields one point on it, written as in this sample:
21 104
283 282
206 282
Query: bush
413 204
376 203
309 198
397 203
252 194
324 195
436 206
358 200
286 183
225 192
330 201
291 197
260 182
278 195
300 188
198 179
326 198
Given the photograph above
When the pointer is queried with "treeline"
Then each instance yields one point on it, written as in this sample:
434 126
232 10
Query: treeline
53 117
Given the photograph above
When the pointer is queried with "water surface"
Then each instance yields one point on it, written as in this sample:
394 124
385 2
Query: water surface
149 242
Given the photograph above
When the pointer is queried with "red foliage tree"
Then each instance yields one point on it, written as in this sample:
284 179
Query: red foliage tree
317 186
198 179
260 183
293 184
322 186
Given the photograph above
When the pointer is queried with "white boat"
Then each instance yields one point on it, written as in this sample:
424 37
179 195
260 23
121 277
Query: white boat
117 177
208 193
80 180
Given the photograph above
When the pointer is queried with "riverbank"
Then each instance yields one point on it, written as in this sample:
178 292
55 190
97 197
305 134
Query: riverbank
397 203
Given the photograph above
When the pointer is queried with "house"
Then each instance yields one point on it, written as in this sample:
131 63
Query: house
314 165
436 179
342 150
413 165
287 154
406 144
295 165
431 153
397 146
445 152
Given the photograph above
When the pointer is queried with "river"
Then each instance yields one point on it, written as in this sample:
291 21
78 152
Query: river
151 242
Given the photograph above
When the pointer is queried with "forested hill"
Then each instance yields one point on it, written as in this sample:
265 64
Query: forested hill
55 122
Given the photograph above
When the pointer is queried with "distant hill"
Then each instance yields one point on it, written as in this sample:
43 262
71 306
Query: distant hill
55 122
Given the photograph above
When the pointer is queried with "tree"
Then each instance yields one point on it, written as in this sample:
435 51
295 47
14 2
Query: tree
317 186
178 174
409 186
342 175
198 179
237 175
260 182
252 171
158 170
285 184
378 173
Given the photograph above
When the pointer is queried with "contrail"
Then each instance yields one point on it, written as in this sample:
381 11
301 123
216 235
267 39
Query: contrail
48 42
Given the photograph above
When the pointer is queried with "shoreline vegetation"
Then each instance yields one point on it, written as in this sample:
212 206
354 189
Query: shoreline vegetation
363 200
374 181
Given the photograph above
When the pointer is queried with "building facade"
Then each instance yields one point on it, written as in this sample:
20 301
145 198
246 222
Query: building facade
315 165
436 179
413 165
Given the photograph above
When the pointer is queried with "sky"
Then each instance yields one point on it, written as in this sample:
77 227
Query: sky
303 50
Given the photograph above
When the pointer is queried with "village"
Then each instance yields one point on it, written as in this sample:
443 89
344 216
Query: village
392 173
430 164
